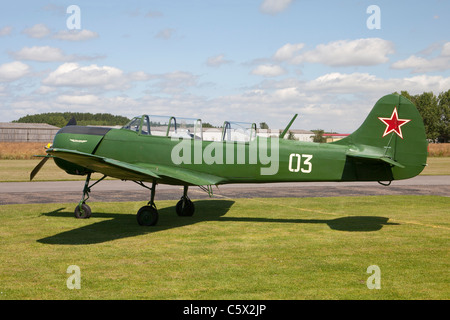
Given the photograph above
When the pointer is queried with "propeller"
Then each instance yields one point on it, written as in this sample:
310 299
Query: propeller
72 122
38 167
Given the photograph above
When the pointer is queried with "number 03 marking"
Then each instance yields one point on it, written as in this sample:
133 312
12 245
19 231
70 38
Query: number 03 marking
295 162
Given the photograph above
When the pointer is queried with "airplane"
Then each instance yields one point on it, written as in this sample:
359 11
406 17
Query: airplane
390 145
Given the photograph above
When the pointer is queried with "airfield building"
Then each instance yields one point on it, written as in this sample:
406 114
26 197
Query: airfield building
27 132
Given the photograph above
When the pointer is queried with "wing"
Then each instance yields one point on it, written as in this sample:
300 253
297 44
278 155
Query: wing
138 172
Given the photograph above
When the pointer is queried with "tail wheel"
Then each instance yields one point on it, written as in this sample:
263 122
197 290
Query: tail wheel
147 216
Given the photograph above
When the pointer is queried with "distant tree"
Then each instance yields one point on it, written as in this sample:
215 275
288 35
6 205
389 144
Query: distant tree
60 119
264 125
318 136
57 121
435 112
207 125
291 136
444 111
427 105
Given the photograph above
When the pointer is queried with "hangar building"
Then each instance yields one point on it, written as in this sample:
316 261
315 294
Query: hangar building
27 132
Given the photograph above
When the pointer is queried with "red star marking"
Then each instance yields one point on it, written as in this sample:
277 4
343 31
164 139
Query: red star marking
393 124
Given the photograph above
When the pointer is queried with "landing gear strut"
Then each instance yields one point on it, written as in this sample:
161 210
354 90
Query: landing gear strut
82 210
185 207
148 215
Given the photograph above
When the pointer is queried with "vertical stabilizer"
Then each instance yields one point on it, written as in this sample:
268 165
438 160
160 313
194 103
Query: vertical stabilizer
392 134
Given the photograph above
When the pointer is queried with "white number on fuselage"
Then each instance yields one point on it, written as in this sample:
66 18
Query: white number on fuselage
300 162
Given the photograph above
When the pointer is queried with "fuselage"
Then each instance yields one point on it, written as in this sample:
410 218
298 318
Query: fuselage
257 161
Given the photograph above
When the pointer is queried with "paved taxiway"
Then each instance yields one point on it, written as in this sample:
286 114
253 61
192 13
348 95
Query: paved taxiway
116 190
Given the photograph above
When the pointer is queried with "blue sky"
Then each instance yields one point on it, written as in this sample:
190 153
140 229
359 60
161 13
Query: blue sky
253 61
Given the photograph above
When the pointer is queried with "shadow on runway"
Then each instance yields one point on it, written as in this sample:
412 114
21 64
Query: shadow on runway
125 225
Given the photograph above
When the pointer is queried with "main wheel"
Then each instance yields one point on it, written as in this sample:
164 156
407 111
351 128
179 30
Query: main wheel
84 213
147 216
185 208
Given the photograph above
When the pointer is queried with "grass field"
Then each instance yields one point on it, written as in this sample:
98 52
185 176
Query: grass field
308 248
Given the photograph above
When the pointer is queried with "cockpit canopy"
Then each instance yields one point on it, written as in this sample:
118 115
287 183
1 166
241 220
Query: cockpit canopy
189 128
166 126
238 131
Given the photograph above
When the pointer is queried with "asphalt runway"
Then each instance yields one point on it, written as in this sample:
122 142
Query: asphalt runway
116 190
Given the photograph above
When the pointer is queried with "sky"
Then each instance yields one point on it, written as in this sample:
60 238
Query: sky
248 61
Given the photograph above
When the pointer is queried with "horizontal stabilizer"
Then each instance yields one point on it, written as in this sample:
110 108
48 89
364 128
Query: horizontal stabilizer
375 157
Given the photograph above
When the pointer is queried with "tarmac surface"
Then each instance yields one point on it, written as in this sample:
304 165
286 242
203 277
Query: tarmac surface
116 190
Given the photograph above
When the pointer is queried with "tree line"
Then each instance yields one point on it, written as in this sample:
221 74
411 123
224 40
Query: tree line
60 119
435 111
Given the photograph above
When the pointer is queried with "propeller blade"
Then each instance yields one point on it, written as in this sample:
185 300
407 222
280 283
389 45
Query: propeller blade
38 167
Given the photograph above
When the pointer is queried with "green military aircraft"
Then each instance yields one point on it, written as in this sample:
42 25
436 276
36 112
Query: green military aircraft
390 145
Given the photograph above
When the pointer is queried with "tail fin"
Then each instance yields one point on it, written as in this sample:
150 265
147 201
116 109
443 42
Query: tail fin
391 142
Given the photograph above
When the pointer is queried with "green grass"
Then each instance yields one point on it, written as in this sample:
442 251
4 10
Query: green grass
437 166
305 248
19 171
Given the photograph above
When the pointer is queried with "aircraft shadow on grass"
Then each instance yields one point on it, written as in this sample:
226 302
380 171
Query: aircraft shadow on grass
124 225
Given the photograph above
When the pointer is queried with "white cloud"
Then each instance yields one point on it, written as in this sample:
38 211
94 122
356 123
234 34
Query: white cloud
38 31
174 82
44 90
288 51
364 83
75 35
217 61
423 65
359 52
74 75
88 99
5 31
46 54
274 6
13 71
268 70
42 54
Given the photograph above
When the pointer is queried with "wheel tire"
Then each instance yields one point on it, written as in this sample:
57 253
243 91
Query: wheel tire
84 213
187 210
147 216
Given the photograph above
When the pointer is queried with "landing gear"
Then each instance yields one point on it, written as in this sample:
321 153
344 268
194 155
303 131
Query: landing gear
185 207
82 210
148 215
